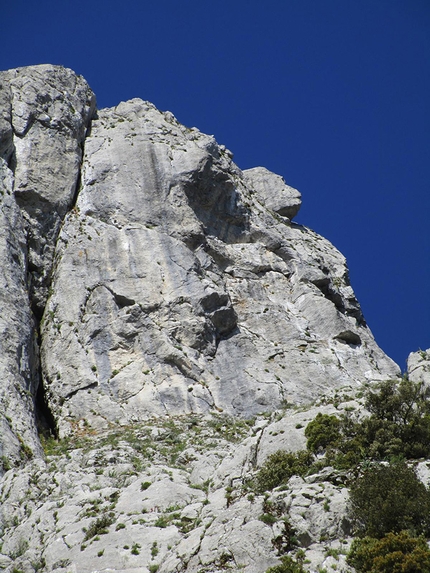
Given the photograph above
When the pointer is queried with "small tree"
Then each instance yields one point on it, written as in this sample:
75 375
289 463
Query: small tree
389 498
400 419
398 426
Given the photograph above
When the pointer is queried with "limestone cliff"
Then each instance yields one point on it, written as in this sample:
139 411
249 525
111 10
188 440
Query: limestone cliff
166 279
145 275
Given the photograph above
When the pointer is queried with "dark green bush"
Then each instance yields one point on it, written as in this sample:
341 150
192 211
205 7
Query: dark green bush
322 432
400 419
389 498
394 553
280 466
99 526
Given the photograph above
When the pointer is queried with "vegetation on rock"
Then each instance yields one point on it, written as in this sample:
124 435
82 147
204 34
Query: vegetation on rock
322 432
288 565
398 426
389 498
280 466
393 553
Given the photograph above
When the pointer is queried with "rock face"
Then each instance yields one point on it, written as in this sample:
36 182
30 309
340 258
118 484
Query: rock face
419 366
146 277
45 112
169 280
125 501
178 287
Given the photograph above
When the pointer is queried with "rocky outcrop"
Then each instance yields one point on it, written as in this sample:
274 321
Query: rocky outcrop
272 191
177 283
48 110
156 296
45 112
419 366
178 287
169 495
18 345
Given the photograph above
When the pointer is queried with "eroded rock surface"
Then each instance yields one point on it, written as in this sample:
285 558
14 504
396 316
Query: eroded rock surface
48 110
155 299
18 346
170 495
178 287
44 114
419 366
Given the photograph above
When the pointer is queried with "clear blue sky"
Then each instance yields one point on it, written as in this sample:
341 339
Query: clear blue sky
332 94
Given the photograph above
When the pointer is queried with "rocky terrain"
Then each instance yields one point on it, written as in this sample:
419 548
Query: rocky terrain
165 327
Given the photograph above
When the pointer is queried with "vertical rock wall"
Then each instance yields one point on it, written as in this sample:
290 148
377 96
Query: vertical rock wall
45 113
165 278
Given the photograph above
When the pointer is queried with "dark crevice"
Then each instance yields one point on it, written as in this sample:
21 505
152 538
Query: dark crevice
78 179
324 285
351 308
11 162
349 337
45 420
123 301
74 392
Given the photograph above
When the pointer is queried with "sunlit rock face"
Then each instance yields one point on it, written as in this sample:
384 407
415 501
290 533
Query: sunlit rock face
160 307
419 366
152 276
44 115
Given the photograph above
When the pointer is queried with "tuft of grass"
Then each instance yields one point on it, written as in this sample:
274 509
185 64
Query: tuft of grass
99 527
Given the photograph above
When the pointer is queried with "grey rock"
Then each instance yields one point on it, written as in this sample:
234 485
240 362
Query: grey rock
419 366
113 502
174 301
273 192
18 348
176 289
46 111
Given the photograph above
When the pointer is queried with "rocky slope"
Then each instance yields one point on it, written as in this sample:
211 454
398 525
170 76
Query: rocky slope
155 294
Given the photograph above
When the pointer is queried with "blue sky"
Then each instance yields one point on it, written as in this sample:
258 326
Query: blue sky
332 94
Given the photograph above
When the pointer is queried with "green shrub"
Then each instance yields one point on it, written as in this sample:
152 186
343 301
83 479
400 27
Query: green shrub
135 549
389 498
400 419
267 518
394 553
288 565
398 426
280 466
323 431
99 526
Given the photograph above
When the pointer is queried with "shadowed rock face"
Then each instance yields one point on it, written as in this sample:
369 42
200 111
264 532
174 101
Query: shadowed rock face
169 280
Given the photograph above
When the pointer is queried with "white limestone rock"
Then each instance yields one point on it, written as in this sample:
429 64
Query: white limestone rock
179 301
419 366
18 348
46 111
176 289
120 501
273 192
